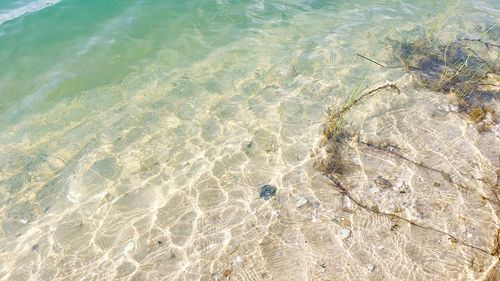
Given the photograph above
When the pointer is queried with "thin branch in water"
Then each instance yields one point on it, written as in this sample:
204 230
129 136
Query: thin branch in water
370 60
478 56
444 174
487 44
344 191
364 96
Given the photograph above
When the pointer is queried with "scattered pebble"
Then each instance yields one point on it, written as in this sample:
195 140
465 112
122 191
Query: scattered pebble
454 107
345 222
239 259
226 273
371 267
314 215
392 148
267 191
344 233
488 118
496 129
444 108
401 187
346 204
394 227
301 202
34 247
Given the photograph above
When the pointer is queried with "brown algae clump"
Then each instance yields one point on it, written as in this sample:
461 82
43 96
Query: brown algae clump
477 114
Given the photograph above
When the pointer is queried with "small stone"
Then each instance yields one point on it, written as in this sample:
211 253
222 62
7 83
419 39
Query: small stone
394 227
34 247
488 118
345 222
346 204
239 259
267 192
444 108
344 233
301 202
226 273
399 184
454 107
314 215
469 235
392 148
401 187
24 221
371 267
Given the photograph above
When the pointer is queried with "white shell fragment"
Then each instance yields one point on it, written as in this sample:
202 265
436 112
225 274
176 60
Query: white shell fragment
344 233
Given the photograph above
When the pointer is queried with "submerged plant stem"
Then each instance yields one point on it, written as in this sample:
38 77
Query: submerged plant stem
370 60
445 175
364 96
344 191
487 44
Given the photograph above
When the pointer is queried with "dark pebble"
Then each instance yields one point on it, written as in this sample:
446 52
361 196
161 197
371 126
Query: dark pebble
267 191
34 247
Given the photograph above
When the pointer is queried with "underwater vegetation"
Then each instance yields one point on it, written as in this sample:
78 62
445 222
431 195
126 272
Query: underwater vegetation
461 68
467 70
366 163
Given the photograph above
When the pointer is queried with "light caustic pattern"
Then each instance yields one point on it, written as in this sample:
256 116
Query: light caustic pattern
157 177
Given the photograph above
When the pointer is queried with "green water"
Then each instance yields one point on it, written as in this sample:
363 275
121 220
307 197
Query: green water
125 123
73 47
76 46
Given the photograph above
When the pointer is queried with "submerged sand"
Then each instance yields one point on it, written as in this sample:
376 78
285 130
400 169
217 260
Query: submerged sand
158 177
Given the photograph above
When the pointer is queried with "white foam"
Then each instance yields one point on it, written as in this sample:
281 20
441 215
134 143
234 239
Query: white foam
27 9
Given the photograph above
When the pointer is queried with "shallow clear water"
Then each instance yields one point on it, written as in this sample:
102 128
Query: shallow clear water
136 136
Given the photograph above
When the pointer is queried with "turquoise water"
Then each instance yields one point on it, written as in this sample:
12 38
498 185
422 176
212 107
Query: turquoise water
136 134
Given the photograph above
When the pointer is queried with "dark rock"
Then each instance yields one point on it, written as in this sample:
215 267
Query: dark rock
267 191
